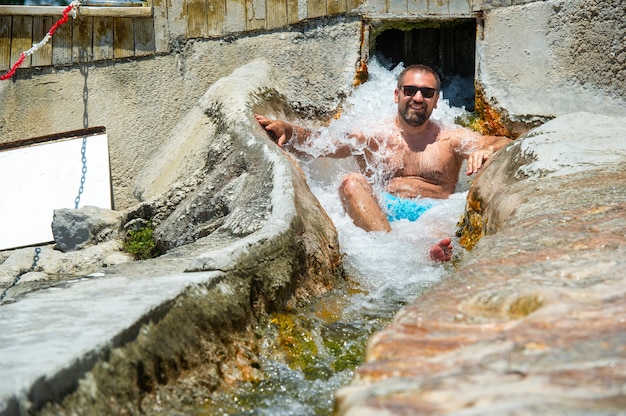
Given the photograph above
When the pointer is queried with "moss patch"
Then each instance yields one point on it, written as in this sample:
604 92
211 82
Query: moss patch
140 243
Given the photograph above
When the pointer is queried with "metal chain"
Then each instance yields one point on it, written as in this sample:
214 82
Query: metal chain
71 9
85 72
17 279
81 188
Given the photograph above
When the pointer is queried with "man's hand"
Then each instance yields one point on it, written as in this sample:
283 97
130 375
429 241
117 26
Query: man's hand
476 159
442 251
280 131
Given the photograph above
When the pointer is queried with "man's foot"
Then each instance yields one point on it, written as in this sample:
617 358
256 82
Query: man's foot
442 251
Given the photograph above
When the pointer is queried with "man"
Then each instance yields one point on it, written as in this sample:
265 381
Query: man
422 159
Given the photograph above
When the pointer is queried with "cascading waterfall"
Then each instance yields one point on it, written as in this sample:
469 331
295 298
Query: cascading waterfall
309 355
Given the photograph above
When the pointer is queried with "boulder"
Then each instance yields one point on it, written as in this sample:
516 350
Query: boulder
74 229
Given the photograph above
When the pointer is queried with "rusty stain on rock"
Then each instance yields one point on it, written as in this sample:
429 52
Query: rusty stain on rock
489 120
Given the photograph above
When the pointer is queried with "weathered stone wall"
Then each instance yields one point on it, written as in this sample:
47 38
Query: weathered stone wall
538 60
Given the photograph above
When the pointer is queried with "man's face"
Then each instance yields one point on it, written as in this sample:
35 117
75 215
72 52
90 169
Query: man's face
416 109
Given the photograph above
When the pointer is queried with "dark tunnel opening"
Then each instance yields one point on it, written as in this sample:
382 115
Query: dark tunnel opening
448 46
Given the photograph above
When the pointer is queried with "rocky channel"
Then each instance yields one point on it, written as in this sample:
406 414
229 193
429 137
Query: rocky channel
533 321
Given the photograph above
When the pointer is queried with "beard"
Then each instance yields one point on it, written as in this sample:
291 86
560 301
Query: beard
414 118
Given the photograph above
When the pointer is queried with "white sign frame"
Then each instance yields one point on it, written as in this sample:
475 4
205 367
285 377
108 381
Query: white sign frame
42 174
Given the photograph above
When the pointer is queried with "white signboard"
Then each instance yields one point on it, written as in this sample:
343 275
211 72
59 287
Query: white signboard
44 174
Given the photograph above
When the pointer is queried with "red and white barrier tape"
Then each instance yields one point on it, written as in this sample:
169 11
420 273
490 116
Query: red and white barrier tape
71 9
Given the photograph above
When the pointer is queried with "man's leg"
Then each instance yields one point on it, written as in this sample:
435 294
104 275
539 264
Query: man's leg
357 196
361 205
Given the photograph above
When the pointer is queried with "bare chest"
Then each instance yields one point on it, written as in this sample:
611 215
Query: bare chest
435 163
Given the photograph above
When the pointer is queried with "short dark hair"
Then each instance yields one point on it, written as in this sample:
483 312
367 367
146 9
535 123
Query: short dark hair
419 69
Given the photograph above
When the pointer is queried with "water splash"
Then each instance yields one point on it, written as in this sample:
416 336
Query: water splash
394 262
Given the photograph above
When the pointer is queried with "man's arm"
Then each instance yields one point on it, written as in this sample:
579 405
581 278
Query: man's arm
488 145
283 132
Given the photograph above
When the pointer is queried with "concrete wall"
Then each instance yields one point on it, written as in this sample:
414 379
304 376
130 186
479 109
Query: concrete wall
538 60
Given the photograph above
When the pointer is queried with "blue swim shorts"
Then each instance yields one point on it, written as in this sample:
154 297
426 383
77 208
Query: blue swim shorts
405 209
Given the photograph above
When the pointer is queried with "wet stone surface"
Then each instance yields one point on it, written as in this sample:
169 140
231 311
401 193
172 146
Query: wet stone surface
532 322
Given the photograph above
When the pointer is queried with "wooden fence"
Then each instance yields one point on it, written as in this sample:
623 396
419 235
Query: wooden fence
107 32
98 33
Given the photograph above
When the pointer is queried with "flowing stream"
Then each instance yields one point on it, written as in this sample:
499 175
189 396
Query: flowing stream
310 354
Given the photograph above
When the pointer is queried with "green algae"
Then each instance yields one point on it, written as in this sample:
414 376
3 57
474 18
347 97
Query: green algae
306 356
140 243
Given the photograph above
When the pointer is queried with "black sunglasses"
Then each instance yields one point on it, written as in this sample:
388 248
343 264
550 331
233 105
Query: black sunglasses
410 91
